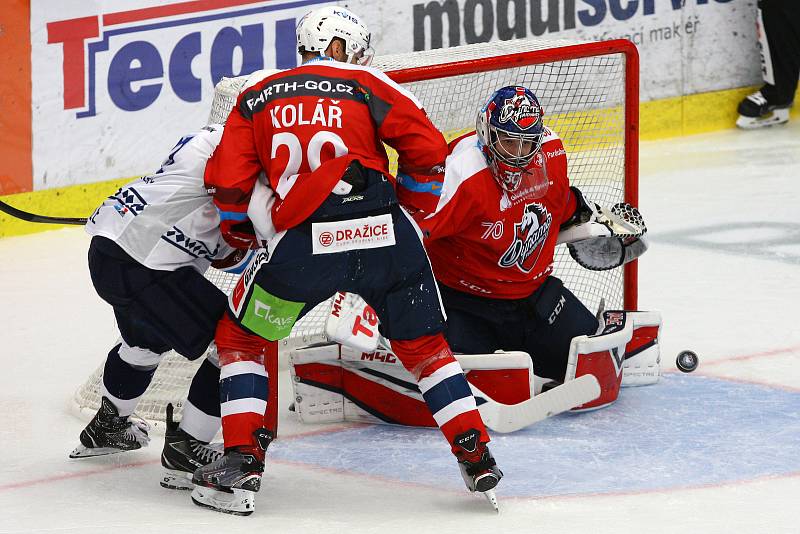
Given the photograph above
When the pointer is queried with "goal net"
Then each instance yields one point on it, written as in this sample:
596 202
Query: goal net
589 92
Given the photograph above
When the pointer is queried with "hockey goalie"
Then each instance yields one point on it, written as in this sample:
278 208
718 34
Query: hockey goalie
497 285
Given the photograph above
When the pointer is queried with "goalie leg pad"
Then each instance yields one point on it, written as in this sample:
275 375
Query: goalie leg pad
506 377
642 365
601 355
373 387
317 382
625 352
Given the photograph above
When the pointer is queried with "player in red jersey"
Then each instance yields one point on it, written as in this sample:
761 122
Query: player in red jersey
327 211
492 236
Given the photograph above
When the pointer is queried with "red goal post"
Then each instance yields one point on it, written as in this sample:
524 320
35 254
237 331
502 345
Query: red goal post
590 95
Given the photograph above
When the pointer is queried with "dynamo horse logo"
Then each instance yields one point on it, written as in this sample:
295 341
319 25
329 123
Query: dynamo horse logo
529 236
520 110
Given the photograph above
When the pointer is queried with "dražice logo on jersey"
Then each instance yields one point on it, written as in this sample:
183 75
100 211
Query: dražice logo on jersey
529 236
521 111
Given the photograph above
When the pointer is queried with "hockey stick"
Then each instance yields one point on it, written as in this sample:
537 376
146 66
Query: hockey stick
341 328
506 418
34 218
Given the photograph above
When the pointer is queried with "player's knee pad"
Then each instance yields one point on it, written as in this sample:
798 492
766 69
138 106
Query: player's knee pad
624 335
424 355
228 357
212 355
231 337
137 357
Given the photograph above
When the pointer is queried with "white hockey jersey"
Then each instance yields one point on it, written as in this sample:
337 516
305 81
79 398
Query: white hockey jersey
167 220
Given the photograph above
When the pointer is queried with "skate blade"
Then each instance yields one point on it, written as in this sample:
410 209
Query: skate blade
492 498
88 452
240 502
176 480
775 117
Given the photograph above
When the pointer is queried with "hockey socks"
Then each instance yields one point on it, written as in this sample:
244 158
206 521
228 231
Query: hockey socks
244 390
201 415
443 386
126 375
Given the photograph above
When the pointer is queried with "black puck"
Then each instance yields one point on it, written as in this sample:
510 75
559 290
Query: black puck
687 361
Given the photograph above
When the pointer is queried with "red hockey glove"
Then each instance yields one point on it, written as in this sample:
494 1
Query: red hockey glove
239 234
235 262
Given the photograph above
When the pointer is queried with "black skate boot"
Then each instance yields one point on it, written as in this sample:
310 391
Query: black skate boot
108 433
183 454
756 112
478 467
230 484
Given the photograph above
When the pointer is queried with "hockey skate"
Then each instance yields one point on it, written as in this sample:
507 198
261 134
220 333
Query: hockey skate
183 454
755 112
230 483
108 433
478 467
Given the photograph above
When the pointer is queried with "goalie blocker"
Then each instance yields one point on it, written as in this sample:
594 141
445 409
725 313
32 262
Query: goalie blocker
334 383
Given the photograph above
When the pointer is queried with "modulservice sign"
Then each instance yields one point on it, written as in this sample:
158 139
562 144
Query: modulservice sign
686 46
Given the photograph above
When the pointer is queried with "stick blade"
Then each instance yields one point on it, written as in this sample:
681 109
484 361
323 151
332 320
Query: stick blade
506 418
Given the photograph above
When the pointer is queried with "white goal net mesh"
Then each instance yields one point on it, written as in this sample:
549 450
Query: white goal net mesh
583 93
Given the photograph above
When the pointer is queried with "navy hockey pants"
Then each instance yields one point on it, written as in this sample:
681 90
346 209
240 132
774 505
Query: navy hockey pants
395 280
156 310
542 325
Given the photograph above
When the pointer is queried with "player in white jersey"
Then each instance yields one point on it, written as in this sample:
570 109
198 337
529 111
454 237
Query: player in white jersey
152 241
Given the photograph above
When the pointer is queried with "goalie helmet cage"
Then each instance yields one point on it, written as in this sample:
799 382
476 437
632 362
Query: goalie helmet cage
590 95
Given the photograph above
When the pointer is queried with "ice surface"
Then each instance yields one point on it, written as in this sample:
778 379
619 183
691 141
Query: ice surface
714 451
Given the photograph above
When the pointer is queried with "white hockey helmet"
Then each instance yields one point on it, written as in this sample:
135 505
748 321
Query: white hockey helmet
316 30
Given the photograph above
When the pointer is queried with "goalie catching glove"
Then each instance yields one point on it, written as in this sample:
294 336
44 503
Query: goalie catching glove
607 238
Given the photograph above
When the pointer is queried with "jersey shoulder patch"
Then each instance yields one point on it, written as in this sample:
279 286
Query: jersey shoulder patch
465 161
549 135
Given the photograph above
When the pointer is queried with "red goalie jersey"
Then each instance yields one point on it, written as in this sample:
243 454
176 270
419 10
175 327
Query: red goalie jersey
303 127
488 242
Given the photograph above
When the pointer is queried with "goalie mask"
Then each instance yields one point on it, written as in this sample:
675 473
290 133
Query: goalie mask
316 30
510 132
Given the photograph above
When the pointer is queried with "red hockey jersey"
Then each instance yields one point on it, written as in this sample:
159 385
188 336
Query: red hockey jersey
303 126
488 242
